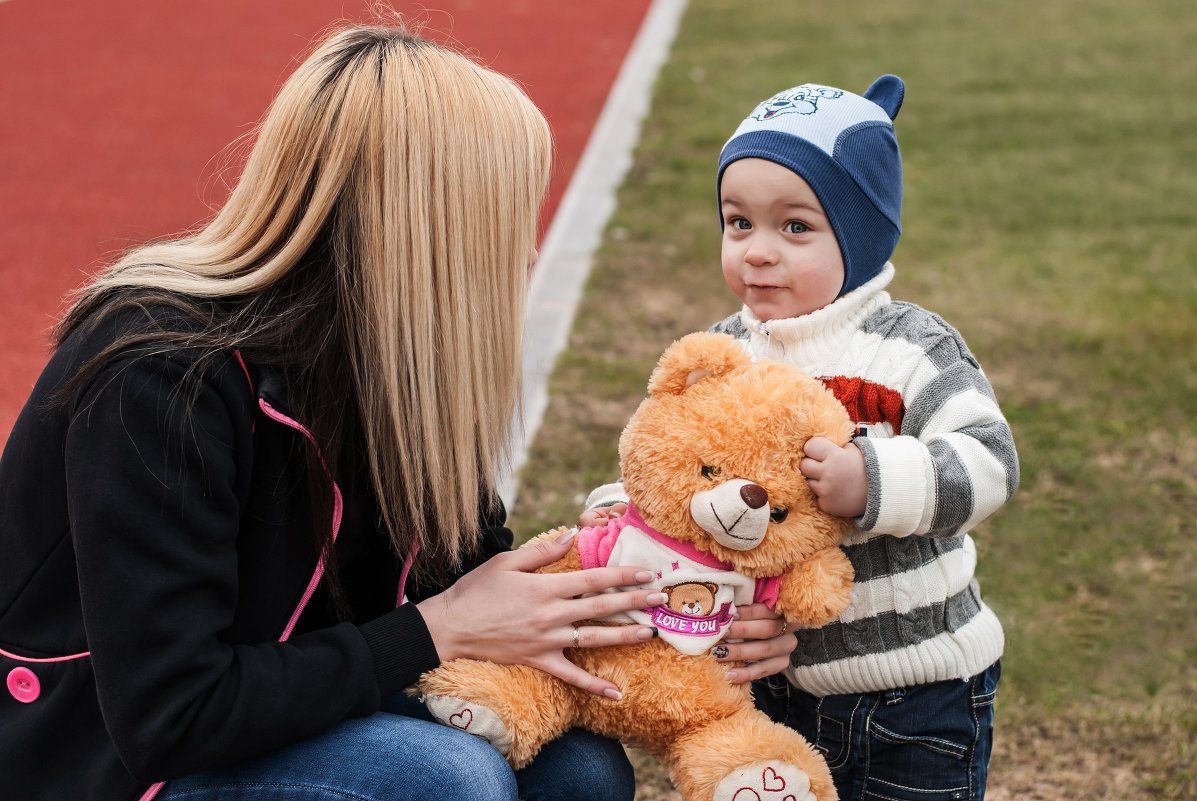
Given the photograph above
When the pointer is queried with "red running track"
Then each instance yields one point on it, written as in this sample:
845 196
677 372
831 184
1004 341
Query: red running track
116 113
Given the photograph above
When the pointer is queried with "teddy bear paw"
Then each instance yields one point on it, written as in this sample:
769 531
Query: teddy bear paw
765 781
471 718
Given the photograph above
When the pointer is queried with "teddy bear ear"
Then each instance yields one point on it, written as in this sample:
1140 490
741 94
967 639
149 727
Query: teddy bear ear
693 358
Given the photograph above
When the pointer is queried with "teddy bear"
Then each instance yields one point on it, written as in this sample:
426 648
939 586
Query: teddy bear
719 510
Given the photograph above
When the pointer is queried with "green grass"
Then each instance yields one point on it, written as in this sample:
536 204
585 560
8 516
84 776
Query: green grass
1050 153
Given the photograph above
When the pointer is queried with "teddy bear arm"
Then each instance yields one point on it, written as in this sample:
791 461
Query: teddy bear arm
818 590
566 564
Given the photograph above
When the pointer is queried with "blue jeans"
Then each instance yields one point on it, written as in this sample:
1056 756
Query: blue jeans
930 742
399 754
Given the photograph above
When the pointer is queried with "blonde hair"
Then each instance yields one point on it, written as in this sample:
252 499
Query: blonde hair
402 181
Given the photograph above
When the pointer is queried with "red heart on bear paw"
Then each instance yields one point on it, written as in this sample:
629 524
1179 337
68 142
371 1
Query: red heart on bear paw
462 719
772 782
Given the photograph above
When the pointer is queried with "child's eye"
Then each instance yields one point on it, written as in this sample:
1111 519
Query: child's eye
795 227
740 223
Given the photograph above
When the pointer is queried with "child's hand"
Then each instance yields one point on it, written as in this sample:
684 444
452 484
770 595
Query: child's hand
601 514
760 639
837 477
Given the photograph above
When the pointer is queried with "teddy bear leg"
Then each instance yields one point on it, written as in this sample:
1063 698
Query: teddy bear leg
516 709
747 757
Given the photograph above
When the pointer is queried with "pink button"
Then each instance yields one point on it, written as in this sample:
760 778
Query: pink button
23 685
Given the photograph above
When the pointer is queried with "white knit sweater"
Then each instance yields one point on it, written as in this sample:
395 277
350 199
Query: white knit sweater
940 459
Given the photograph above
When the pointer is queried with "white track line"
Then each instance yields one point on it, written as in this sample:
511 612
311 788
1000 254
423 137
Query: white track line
576 230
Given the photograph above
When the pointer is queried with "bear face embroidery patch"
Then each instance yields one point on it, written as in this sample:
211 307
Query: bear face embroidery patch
690 610
694 598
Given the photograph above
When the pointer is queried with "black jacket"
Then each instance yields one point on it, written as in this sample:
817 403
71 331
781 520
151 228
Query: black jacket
152 556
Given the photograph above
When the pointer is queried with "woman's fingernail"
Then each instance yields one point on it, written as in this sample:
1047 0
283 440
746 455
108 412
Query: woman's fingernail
567 536
719 652
656 599
643 577
732 675
646 633
614 695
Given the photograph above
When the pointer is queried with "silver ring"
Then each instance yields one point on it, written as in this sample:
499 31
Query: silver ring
576 635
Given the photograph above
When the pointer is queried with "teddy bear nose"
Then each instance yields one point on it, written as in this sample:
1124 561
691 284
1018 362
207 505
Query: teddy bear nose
754 495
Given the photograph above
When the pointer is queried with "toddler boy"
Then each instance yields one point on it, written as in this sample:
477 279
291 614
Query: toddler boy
898 692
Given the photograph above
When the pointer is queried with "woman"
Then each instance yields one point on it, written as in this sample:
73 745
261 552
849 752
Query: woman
264 460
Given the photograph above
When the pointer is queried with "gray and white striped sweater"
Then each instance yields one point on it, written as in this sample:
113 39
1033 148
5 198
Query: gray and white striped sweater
940 459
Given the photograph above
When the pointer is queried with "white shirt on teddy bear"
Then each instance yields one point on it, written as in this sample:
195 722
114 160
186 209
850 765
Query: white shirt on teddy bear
703 590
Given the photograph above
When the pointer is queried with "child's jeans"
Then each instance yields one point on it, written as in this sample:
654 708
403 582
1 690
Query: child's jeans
929 742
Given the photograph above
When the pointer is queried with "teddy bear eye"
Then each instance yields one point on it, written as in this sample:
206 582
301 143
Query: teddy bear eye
778 515
710 472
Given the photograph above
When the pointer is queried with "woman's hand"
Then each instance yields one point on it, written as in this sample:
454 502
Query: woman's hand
767 645
504 613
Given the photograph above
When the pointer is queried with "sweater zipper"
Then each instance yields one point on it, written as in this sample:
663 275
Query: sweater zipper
768 340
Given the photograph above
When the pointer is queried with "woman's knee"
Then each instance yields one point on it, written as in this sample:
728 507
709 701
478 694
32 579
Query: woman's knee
379 758
472 769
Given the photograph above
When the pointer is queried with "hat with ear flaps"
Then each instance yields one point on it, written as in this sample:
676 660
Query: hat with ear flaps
844 146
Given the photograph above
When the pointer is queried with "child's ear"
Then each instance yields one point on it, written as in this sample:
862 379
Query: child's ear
888 91
693 358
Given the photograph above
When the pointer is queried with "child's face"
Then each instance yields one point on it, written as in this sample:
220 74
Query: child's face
780 256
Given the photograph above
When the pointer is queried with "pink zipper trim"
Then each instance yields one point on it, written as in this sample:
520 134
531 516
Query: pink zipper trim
153 791
314 582
246 369
237 353
407 563
279 417
51 659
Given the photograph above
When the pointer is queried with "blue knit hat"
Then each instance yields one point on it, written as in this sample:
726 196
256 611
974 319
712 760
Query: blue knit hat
844 146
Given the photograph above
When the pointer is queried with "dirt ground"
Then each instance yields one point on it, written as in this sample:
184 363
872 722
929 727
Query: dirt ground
1051 761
